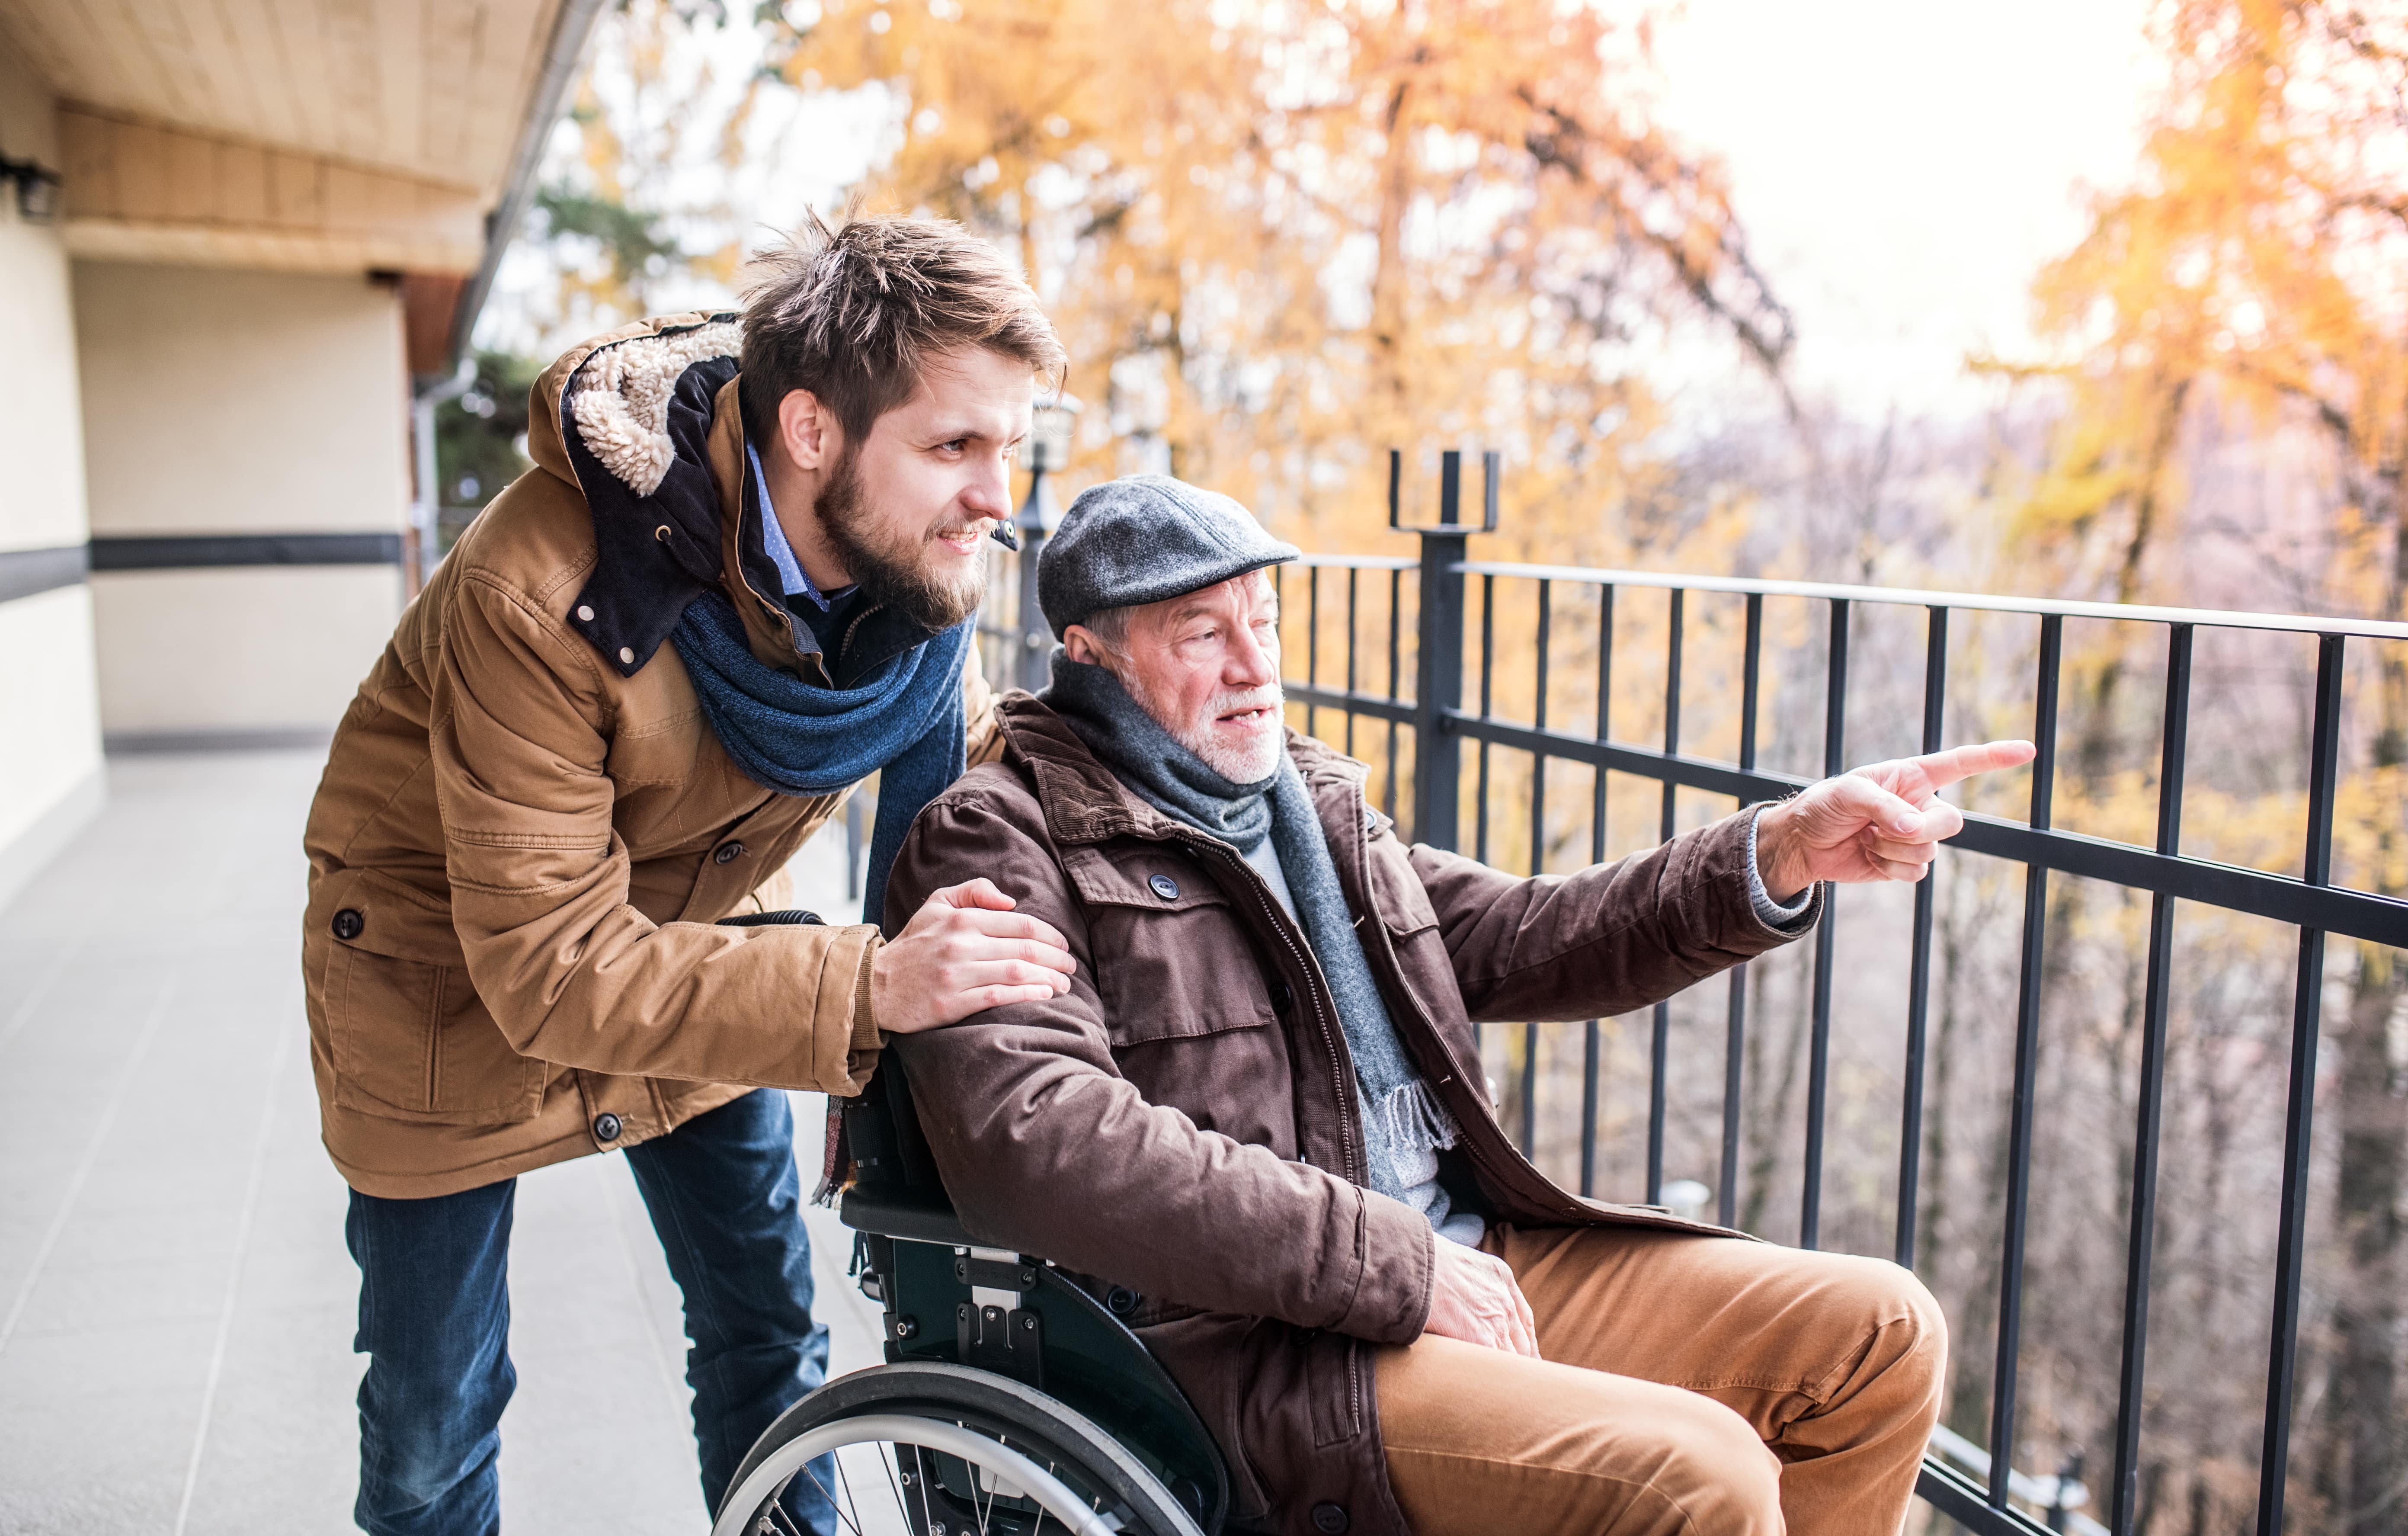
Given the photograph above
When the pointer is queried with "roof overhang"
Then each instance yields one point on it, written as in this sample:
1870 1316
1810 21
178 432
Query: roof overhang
398 138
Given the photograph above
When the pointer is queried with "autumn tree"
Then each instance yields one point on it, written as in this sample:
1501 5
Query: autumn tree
2256 273
1280 237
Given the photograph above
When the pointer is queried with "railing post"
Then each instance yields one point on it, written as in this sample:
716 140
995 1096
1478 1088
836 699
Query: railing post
1052 426
1032 668
1437 685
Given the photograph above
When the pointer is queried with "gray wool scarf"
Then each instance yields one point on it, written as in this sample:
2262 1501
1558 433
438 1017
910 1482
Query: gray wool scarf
1404 1125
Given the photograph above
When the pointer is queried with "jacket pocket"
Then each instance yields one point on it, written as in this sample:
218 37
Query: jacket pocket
1172 961
1336 1376
1174 975
412 1042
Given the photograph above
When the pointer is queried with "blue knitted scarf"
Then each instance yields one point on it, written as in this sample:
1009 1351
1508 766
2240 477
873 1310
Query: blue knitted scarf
786 734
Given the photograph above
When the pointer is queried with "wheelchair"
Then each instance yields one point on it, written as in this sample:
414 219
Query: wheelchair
1012 1400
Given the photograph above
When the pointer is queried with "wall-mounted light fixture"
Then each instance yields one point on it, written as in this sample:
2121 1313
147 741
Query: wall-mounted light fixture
37 190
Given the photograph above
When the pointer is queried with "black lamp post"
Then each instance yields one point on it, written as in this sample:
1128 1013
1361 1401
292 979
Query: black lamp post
1050 429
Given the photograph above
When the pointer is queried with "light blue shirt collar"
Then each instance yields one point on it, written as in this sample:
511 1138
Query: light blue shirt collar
773 538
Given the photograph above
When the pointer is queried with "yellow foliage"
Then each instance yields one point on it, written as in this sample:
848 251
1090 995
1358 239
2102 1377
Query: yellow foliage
1280 238
2256 268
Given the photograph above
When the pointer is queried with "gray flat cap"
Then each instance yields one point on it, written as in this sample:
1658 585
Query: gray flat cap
1144 537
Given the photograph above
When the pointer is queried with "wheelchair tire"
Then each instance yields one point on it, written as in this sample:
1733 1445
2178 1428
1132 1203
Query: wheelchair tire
943 1435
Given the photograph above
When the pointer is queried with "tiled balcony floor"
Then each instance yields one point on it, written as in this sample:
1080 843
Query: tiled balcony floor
176 1303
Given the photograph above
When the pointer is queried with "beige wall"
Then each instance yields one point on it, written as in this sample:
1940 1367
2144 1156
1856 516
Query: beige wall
49 730
238 651
223 402
241 402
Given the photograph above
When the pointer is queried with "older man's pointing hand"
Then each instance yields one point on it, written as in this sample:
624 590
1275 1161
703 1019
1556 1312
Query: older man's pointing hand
1885 821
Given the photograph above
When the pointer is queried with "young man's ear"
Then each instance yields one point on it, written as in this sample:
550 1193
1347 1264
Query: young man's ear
808 430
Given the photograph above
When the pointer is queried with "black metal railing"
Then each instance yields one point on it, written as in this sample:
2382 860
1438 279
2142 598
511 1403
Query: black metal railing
1432 727
1420 608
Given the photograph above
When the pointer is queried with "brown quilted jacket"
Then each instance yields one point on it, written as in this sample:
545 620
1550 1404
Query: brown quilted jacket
1182 1120
525 837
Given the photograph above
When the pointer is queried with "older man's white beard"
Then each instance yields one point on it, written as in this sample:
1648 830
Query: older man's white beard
1239 765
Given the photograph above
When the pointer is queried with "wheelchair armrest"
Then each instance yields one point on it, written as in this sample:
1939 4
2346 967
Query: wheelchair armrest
903 1214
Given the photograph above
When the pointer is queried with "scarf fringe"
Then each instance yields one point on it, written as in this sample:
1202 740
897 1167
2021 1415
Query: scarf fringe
1415 1119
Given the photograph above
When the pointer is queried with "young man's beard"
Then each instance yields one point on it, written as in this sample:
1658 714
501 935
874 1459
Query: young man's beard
892 568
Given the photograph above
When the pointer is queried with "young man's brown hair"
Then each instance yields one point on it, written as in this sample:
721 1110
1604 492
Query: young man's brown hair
853 312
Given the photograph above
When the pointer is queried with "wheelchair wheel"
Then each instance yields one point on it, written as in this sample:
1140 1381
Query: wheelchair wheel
927 1449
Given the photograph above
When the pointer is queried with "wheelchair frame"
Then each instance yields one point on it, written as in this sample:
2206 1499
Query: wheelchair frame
951 1300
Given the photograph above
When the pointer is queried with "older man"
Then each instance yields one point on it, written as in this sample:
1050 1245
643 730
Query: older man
1258 1103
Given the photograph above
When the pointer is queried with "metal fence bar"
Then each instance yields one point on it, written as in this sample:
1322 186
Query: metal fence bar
2150 1095
1659 1035
1313 645
1537 867
1398 563
1354 624
1735 1010
2282 1368
1396 664
1538 759
1819 1046
2019 1114
1488 678
1592 1044
2357 914
1529 1090
1918 982
2218 618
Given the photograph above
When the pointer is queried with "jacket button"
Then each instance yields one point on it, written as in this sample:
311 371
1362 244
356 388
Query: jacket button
1281 997
626 656
1119 1300
606 1127
727 853
585 612
348 925
1165 887
1331 1518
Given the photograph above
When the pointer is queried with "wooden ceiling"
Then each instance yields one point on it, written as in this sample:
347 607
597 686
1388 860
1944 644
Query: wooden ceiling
312 136
430 89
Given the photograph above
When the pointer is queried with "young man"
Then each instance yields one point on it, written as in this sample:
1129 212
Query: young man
1258 1103
544 890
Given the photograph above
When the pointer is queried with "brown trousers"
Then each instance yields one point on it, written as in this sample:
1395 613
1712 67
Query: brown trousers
1688 1384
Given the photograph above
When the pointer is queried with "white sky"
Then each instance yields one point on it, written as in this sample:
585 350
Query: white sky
1903 170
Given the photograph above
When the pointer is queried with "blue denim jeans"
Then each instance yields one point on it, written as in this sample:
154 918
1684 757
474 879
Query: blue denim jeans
434 1317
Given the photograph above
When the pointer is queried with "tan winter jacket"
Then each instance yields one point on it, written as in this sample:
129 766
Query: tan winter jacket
526 831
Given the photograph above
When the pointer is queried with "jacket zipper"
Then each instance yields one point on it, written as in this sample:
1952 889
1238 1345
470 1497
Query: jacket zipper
1472 1126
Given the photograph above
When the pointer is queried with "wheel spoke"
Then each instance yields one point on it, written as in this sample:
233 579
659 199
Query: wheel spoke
850 1525
887 1465
846 1484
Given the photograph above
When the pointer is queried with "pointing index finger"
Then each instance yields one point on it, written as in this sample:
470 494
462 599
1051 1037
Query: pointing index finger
1942 768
